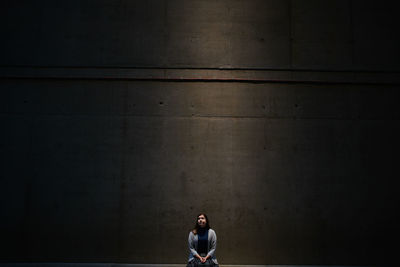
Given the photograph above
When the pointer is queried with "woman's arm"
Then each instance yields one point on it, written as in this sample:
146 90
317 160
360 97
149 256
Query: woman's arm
213 244
191 246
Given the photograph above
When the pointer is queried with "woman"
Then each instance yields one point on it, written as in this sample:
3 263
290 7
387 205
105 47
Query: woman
202 244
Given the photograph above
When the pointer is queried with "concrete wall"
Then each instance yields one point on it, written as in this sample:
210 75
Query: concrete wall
278 34
121 120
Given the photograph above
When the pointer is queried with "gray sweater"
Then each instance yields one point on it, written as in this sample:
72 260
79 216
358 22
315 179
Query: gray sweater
212 245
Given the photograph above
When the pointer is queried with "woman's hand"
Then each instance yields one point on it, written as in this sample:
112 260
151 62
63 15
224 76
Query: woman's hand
204 259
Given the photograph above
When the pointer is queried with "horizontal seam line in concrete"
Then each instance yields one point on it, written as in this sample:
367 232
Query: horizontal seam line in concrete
199 68
38 115
203 75
209 80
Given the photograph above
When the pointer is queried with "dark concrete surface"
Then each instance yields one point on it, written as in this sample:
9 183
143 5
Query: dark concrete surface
263 34
116 170
60 264
121 120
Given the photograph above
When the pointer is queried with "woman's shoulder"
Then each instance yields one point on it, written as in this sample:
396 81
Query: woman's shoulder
191 233
211 230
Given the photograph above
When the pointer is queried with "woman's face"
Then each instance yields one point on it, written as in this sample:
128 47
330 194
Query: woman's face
201 221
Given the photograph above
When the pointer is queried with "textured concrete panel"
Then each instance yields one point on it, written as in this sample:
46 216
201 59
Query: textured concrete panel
339 35
229 34
115 171
198 99
322 34
295 163
16 174
375 35
84 33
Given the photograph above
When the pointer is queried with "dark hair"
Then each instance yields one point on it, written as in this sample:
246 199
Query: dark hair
197 226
